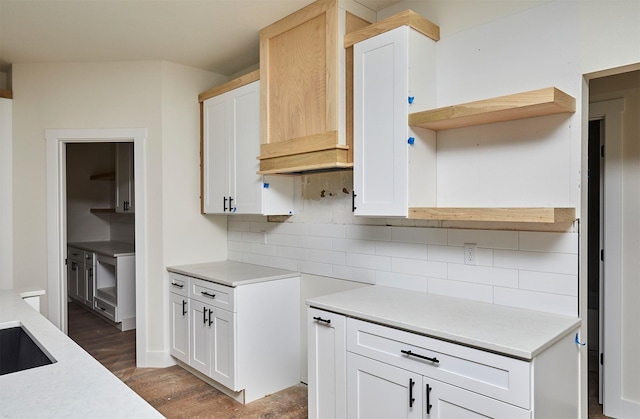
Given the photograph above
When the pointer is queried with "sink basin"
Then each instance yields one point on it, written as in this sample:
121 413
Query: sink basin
19 351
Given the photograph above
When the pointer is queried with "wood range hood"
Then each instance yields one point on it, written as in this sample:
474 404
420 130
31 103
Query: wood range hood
305 83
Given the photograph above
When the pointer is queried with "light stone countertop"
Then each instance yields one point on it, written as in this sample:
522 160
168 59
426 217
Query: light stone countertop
106 248
75 386
510 331
232 274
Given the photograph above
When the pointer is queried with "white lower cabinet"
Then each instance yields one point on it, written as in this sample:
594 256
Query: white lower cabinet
245 339
327 346
391 373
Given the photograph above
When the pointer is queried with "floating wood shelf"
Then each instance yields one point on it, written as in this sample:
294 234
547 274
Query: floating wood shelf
518 215
548 101
405 18
7 94
104 176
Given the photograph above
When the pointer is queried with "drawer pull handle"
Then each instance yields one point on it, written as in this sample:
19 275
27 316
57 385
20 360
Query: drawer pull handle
409 353
207 294
184 307
177 285
320 319
411 398
428 402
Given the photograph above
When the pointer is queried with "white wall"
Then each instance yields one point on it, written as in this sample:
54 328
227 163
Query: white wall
116 95
6 192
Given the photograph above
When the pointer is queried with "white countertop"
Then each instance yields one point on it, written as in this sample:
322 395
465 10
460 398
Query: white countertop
510 331
75 386
232 274
107 248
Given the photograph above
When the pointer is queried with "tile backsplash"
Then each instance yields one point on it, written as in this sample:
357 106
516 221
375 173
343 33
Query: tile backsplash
531 270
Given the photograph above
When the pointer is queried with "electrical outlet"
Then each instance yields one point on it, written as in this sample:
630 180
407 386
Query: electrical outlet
470 253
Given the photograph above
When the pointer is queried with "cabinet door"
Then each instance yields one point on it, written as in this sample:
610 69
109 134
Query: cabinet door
378 390
223 355
73 275
380 87
124 178
246 185
446 401
327 364
179 327
200 337
215 148
90 284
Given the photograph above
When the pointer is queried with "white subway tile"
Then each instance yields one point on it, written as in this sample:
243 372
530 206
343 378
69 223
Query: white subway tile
405 250
419 235
354 246
484 257
419 267
315 268
350 273
286 228
358 260
312 242
255 259
539 301
549 283
260 226
262 249
453 254
483 275
562 263
281 239
457 289
284 263
234 236
326 230
367 232
296 253
326 256
234 256
238 246
233 225
251 237
549 242
397 280
484 238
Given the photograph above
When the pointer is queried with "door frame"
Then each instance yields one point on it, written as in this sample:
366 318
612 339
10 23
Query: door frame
56 140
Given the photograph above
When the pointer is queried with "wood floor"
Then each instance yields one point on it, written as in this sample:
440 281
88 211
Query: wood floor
174 392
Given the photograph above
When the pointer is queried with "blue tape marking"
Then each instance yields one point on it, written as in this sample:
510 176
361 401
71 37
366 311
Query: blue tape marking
265 185
411 98
411 140
578 341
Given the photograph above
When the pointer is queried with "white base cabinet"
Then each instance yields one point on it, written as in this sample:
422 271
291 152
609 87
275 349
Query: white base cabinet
244 340
395 373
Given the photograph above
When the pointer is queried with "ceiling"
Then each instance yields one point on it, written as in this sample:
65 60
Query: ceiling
216 35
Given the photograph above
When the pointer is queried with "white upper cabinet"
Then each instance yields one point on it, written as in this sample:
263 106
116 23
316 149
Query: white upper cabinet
125 191
394 74
230 146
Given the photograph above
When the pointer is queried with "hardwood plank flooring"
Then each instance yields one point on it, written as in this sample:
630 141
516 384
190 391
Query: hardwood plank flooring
173 391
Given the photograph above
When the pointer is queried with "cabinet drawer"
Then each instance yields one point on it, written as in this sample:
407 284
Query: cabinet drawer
106 309
211 293
493 375
75 254
179 284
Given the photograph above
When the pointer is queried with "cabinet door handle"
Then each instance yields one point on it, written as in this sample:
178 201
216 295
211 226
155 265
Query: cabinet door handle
210 321
411 399
353 201
224 204
428 402
231 204
409 353
184 307
204 315
175 284
207 294
320 319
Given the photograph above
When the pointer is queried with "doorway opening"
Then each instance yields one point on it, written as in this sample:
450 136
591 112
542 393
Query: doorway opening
56 142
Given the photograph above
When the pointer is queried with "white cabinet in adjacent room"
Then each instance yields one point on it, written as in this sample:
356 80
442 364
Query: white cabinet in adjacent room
125 191
230 146
394 164
179 319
